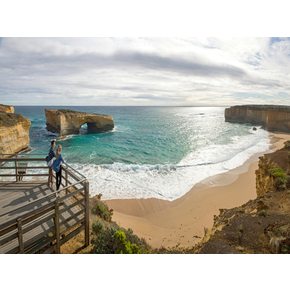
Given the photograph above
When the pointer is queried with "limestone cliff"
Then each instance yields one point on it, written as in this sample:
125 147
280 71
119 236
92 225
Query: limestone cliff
272 118
261 225
6 108
14 133
67 122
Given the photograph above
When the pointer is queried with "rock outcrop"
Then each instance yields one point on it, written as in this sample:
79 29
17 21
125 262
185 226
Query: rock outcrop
273 171
66 122
261 225
14 133
6 108
272 118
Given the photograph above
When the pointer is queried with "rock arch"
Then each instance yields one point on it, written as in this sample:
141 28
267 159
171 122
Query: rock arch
66 122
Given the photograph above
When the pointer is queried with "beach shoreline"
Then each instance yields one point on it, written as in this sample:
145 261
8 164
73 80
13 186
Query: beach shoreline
181 222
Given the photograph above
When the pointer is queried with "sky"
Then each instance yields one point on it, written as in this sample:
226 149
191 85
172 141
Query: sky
144 71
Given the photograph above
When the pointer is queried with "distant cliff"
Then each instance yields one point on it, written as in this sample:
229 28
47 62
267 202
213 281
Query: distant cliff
6 109
67 122
261 225
14 133
272 118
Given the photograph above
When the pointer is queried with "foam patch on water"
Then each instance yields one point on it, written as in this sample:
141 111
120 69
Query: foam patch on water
171 181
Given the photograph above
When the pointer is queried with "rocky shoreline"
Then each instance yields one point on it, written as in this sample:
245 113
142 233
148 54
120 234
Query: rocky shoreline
272 118
261 225
14 131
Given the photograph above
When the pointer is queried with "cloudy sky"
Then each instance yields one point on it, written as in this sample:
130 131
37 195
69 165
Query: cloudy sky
144 71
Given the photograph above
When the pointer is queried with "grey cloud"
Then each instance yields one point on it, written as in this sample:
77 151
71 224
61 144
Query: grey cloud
156 97
58 64
262 82
75 76
154 61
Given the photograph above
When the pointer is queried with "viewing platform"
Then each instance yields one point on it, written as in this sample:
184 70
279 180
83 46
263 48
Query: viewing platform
34 216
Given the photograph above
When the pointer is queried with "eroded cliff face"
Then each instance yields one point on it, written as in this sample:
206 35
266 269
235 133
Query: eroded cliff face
264 180
261 225
272 118
67 122
6 109
273 171
14 133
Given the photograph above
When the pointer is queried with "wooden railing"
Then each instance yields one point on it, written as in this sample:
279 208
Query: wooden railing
46 223
13 166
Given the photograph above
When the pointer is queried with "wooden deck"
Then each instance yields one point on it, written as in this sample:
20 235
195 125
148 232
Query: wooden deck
34 218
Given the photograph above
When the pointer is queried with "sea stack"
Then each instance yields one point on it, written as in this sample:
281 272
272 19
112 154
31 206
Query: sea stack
14 131
270 117
66 122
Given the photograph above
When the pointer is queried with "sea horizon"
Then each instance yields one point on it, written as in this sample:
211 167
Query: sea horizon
193 106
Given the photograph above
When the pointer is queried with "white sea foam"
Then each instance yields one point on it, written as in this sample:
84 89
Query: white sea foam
171 181
66 137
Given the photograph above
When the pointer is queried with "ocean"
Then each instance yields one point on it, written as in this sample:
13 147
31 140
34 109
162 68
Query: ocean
156 152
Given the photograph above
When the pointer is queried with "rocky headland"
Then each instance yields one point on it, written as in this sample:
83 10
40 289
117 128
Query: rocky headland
66 122
14 131
270 117
261 225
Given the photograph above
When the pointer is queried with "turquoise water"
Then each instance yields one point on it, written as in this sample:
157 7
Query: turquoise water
153 151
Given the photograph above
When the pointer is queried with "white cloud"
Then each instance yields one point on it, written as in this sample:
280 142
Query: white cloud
144 71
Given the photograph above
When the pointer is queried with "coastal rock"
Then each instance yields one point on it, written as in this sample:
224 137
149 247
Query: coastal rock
261 225
272 118
272 173
14 133
6 109
66 122
264 181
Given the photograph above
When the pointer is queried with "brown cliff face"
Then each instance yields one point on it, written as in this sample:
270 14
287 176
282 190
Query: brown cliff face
272 118
6 109
273 171
261 225
67 122
264 180
14 133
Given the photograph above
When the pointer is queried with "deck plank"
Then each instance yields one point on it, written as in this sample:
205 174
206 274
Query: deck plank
14 195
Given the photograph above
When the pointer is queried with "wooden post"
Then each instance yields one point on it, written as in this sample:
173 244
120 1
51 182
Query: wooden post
87 213
20 236
49 179
66 181
57 229
16 170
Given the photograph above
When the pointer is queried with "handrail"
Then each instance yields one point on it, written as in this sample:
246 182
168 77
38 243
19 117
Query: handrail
67 167
20 159
34 159
24 154
25 167
42 198
11 226
74 170
19 170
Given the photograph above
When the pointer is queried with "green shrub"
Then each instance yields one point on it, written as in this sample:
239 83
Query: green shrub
102 210
280 177
103 238
123 245
97 227
111 239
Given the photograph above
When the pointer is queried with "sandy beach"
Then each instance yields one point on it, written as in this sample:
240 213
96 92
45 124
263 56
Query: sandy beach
182 222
